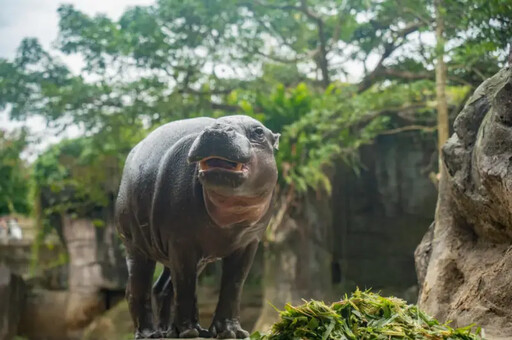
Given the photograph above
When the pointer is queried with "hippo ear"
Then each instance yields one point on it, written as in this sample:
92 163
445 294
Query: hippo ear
276 140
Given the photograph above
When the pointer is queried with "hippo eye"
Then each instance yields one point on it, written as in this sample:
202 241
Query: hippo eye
258 134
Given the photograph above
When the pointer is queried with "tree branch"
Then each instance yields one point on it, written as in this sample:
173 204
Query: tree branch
426 21
408 75
273 29
305 9
274 57
409 128
322 60
389 48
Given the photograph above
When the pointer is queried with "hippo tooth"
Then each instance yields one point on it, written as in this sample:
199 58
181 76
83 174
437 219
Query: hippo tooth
203 166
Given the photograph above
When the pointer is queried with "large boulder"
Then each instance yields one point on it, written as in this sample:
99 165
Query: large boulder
12 301
468 258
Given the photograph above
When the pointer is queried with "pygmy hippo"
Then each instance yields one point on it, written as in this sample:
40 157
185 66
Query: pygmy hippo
192 192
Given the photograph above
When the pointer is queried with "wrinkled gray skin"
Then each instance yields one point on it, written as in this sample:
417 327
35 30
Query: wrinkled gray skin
465 260
179 211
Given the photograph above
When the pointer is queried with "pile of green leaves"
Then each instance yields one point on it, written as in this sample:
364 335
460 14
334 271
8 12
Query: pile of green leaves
364 315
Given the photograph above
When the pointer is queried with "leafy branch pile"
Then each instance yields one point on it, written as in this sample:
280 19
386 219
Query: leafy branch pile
363 316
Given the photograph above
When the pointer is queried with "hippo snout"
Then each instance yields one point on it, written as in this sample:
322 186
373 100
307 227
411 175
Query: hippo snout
220 141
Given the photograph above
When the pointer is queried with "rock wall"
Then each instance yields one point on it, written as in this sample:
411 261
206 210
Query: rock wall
49 272
296 258
95 265
96 280
12 302
381 214
468 257
95 257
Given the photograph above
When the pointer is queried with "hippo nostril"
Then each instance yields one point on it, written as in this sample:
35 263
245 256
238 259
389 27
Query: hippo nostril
222 127
220 130
216 133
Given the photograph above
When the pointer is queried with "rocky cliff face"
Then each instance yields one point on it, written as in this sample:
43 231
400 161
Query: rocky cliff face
468 264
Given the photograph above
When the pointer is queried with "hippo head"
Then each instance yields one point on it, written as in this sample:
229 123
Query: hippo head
237 168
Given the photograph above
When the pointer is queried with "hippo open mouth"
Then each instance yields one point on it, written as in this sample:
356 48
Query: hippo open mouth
214 162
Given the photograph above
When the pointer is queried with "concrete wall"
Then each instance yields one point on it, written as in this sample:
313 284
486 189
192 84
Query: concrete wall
380 215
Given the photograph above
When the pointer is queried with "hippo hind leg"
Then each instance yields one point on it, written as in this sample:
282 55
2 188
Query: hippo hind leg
163 303
138 294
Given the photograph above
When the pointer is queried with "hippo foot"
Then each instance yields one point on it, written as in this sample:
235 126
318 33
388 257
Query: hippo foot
147 334
191 331
169 332
203 333
228 329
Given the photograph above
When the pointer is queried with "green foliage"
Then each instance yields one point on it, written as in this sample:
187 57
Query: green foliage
80 175
320 127
14 174
363 316
282 62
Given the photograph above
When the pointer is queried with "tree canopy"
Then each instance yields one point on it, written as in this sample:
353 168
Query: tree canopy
14 174
329 75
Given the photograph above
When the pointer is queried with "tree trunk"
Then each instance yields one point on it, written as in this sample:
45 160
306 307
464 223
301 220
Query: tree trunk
297 261
443 125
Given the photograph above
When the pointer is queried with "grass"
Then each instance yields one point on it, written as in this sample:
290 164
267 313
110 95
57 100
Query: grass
362 316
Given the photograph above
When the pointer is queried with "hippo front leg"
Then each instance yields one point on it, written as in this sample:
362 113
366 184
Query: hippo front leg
138 294
184 273
235 267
